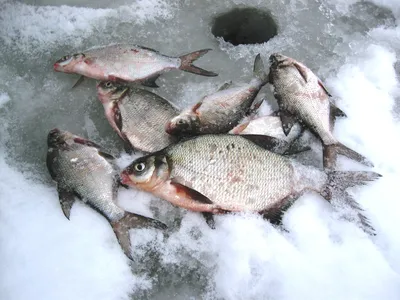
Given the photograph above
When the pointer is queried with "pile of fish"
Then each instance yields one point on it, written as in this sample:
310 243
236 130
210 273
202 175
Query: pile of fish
201 158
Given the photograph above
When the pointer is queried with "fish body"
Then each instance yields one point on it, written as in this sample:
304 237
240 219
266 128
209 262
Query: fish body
302 97
137 115
270 126
215 173
129 63
221 111
81 168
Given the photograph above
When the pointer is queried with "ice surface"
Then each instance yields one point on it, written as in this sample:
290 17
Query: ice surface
352 45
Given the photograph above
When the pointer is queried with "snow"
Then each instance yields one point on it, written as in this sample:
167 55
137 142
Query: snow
352 45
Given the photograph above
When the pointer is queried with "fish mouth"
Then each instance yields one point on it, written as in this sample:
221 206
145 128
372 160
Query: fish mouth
125 179
57 67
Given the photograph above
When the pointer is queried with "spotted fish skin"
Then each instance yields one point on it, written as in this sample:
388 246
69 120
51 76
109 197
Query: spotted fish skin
130 63
137 115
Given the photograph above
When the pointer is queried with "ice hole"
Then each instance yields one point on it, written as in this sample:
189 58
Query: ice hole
245 26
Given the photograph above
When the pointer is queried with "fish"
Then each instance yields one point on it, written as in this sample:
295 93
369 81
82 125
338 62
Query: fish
137 115
128 63
82 168
220 111
223 173
302 96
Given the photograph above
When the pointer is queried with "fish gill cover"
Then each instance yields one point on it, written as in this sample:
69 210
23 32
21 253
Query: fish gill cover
352 45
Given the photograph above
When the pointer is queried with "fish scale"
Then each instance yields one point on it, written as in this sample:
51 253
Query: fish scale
144 115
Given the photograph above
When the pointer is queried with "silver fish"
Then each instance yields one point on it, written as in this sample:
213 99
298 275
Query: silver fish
81 168
137 115
222 110
302 97
217 173
129 63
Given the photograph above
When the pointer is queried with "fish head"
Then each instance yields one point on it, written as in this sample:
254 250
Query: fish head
109 91
276 58
146 173
184 123
57 138
68 63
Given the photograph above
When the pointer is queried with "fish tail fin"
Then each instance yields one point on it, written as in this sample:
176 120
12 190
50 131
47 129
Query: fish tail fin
130 220
187 63
339 181
259 70
331 151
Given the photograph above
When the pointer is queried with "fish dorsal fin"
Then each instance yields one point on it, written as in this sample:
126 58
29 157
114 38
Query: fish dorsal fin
146 48
288 120
267 142
324 87
151 81
225 86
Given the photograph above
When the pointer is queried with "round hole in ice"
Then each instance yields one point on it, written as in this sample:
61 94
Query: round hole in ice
245 26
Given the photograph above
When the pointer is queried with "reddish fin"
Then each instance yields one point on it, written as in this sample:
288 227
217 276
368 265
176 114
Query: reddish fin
121 229
187 63
88 61
196 106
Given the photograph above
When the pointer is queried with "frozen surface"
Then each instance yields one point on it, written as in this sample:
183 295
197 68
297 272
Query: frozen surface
352 45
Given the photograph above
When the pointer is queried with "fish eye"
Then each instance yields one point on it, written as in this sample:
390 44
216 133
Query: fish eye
181 122
108 84
65 60
139 167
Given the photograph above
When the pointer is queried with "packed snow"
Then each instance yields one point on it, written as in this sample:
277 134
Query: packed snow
353 45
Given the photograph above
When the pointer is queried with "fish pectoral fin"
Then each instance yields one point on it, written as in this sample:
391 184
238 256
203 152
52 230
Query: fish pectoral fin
66 199
86 142
324 88
225 86
130 220
288 120
193 200
302 71
151 81
267 142
254 108
209 217
274 214
78 82
106 155
196 106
